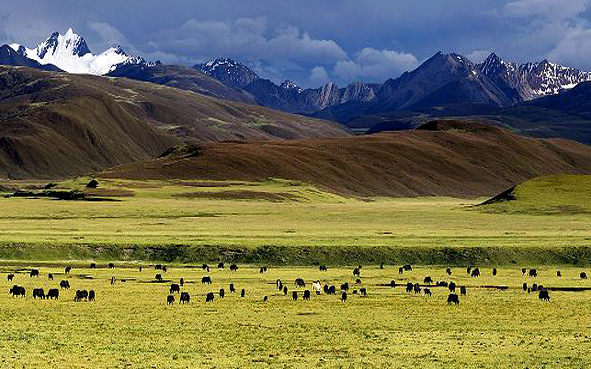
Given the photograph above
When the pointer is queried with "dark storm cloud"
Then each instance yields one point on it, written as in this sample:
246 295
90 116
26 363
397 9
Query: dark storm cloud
316 41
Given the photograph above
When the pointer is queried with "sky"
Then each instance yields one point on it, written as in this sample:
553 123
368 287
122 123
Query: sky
318 41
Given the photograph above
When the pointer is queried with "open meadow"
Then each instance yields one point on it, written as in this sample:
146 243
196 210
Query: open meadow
130 325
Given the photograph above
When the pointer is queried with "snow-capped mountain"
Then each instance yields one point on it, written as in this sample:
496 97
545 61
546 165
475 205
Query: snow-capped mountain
228 72
69 52
532 80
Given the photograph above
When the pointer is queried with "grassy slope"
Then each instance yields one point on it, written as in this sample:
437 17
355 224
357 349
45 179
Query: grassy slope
316 227
130 325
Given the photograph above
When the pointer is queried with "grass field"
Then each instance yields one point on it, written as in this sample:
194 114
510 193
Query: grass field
281 215
130 325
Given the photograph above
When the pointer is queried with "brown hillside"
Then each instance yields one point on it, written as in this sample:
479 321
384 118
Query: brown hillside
443 158
56 124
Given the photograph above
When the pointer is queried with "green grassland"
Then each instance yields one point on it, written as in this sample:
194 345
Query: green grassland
130 325
286 222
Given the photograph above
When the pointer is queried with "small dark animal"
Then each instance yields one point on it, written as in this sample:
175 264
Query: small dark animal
528 290
344 296
112 281
175 288
243 293
363 291
38 292
65 284
452 287
261 270
453 298
306 295
221 265
533 273
50 276
463 290
381 266
355 292
448 271
523 271
299 282
358 281
356 272
284 291
409 287
204 266
427 292
53 293
233 267
17 291
475 273
279 284
583 275
92 184
544 295
222 293
468 270
68 268
169 300
345 286
91 295
182 282
392 283
428 280
323 268
206 280
294 295
10 277
185 298
164 268
332 290
232 289
265 299
417 288
524 286
401 270
407 268
158 266
81 294
34 273
558 274
92 265
111 266
534 287
209 297
494 271
140 268
159 277
325 288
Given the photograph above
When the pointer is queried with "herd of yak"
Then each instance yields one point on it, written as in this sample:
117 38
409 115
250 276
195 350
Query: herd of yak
317 287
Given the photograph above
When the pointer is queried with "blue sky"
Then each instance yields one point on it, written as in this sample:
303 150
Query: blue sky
313 42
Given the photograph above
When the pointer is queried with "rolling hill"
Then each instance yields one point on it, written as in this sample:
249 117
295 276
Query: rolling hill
59 125
441 158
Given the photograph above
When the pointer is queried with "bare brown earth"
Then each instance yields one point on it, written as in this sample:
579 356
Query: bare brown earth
441 158
59 125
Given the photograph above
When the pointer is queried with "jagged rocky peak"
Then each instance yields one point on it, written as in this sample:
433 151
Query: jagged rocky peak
289 85
69 43
229 72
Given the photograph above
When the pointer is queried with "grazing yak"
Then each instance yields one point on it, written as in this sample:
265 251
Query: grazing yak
534 287
533 273
417 288
65 285
344 296
221 265
299 282
583 275
284 291
185 298
468 270
209 297
381 266
345 286
358 281
463 290
401 270
34 273
279 284
164 268
494 271
558 274
81 294
204 266
233 267
243 293
452 287
363 291
17 291
93 266
523 271
448 271
182 282
453 298
475 273
50 276
355 292
306 295
158 266
38 292
524 287
113 280
206 280
232 288
111 266
169 300
222 293
325 288
158 277
332 290
323 268
428 280
175 288
317 287
91 295
294 295
10 277
544 296
407 268
53 293
68 268
263 270
427 292
265 299
409 287
356 272
393 283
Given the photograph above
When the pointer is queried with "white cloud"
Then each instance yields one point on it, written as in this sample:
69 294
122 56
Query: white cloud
574 49
319 76
375 65
550 9
478 56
